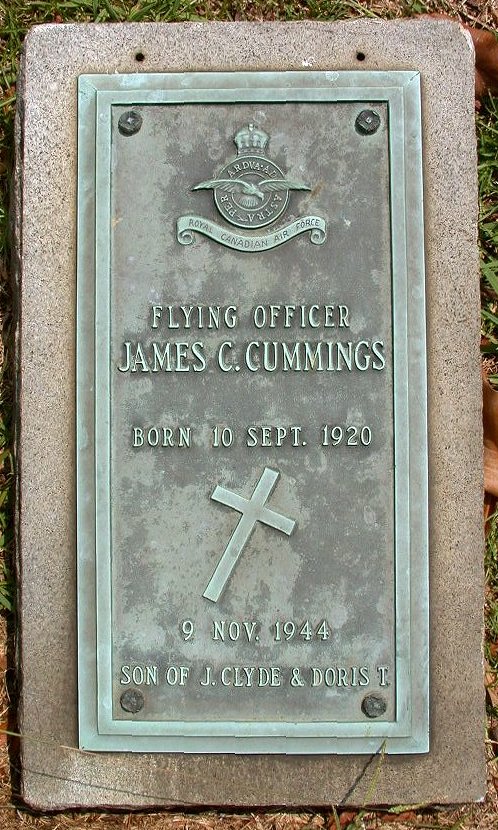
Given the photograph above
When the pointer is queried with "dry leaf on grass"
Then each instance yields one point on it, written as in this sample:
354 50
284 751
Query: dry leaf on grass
486 47
491 685
408 815
490 426
345 819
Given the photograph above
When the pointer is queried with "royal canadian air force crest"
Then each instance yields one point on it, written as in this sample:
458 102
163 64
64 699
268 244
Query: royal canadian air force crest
251 192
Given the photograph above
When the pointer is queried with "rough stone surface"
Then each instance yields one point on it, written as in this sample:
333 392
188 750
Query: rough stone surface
55 773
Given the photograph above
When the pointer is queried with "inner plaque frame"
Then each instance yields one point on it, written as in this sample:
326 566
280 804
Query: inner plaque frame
283 642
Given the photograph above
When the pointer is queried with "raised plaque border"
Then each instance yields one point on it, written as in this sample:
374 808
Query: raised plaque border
400 90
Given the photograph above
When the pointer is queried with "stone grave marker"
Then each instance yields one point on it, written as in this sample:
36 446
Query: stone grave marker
249 436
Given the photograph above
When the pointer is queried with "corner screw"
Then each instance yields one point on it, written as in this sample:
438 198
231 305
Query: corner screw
367 122
130 123
132 700
373 706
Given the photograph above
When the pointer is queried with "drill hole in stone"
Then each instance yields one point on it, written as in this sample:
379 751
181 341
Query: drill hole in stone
140 57
360 56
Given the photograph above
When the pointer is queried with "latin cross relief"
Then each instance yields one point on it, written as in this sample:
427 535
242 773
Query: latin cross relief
252 510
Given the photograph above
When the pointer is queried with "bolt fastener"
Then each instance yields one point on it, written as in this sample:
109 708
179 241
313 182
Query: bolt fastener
373 706
130 123
132 701
367 122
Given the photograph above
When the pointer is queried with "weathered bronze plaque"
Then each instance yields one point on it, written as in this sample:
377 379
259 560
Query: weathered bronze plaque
252 498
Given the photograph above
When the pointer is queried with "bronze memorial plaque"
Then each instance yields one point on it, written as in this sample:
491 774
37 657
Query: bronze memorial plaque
252 468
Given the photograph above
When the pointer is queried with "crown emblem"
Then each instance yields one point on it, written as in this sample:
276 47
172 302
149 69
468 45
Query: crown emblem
250 138
250 191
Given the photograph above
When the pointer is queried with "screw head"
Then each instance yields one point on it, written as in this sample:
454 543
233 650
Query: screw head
373 706
132 701
367 122
130 123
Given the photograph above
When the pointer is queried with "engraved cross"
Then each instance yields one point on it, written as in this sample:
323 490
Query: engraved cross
253 510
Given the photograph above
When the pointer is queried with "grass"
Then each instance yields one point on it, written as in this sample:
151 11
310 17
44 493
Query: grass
17 16
487 131
491 607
